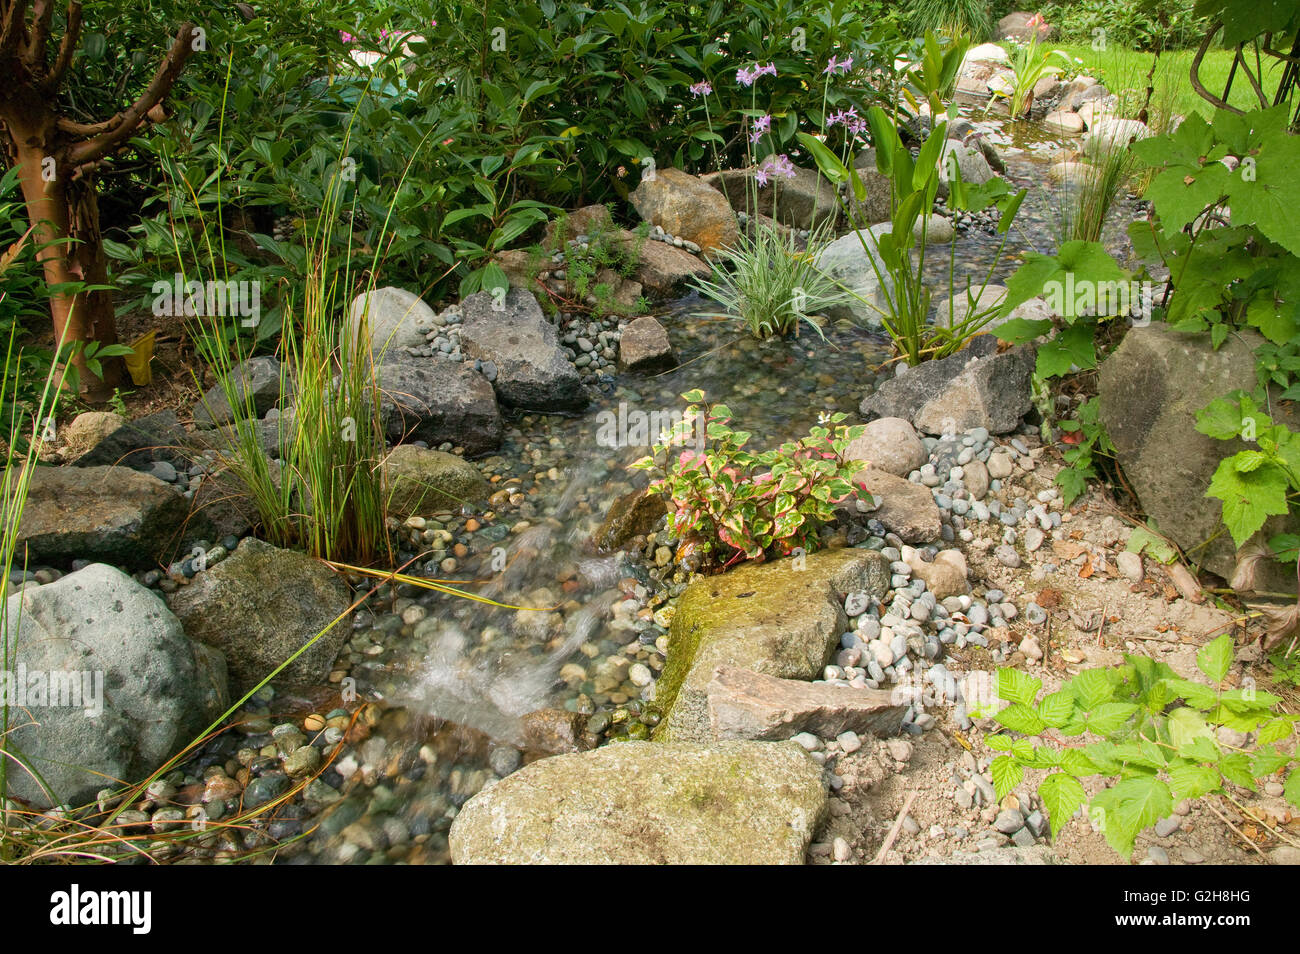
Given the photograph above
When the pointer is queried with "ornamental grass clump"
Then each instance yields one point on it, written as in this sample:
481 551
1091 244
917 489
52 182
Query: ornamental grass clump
727 503
766 278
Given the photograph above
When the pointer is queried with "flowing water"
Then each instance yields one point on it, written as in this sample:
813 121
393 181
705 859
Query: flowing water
455 679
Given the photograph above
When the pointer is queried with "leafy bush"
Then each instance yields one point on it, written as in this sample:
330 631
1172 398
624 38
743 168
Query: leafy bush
1225 232
730 504
1140 25
480 124
1155 735
1259 482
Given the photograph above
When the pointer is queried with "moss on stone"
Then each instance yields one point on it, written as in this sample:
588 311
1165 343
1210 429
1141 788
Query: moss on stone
772 617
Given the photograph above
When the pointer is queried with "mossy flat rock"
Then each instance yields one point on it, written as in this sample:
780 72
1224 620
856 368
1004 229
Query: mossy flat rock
423 481
773 618
642 803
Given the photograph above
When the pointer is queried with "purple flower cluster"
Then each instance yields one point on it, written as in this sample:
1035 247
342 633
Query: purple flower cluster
838 66
774 166
853 124
761 127
702 88
746 77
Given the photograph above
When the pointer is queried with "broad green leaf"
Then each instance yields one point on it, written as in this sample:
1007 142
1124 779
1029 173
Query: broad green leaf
1235 767
1200 749
1193 781
1130 806
1020 718
1185 725
1215 658
1249 498
1017 686
1007 774
1092 687
1109 716
1275 731
1077 762
1055 709
1291 788
1062 796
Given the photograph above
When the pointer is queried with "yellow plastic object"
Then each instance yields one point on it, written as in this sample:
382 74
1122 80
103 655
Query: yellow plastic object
138 361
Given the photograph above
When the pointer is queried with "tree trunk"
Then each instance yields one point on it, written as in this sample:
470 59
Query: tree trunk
57 159
69 250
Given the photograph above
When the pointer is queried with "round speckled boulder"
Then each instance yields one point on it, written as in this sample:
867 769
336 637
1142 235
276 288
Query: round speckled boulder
643 803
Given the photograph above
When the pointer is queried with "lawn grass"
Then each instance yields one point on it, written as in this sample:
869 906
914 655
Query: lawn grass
1127 69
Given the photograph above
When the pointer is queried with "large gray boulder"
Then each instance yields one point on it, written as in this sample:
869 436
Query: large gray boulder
877 203
905 508
644 803
394 319
257 382
852 262
663 270
889 444
969 160
977 387
437 401
533 372
112 514
644 345
1150 389
124 688
807 201
261 605
782 619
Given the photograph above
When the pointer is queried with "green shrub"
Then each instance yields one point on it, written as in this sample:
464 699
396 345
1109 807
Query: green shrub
1154 733
730 503
1134 24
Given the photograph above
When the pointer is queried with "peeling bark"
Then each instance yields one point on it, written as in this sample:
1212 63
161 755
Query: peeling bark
57 159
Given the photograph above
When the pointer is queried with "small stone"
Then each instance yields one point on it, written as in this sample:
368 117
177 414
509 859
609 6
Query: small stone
1007 556
849 742
1009 821
899 749
1130 566
840 850
1167 826
808 741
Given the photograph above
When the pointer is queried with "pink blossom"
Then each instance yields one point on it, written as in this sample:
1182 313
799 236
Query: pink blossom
702 88
838 66
746 77
347 37
761 127
774 166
